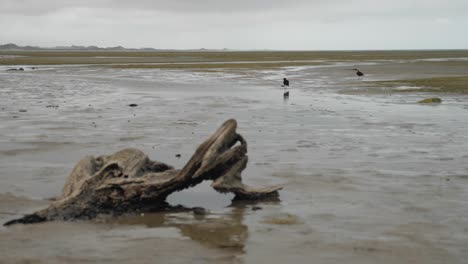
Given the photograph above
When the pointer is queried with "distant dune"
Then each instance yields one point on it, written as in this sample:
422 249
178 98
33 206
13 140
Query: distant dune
14 47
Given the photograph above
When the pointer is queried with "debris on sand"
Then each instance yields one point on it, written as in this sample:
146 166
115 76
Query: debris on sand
434 100
14 69
199 211
256 208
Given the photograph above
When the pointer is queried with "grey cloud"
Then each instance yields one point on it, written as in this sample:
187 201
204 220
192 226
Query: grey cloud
29 7
240 24
315 7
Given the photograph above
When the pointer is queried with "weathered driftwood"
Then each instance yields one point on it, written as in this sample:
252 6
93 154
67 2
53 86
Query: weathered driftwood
128 181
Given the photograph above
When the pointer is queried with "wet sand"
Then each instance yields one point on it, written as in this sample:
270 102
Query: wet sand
369 177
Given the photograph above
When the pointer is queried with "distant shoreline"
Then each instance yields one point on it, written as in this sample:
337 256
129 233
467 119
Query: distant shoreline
92 48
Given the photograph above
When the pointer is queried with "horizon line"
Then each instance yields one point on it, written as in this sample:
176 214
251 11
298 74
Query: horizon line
122 48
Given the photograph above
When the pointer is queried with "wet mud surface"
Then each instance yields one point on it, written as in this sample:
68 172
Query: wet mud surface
369 177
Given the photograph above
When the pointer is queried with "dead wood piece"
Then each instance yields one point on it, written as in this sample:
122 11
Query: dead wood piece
128 181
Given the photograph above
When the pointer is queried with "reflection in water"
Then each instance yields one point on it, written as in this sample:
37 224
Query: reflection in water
225 231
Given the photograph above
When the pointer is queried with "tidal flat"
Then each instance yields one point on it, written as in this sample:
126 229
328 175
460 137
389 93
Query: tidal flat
369 174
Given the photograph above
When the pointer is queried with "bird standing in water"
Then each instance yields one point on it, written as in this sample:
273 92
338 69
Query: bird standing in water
285 84
359 73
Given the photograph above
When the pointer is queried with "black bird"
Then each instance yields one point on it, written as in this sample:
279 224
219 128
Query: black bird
359 73
285 84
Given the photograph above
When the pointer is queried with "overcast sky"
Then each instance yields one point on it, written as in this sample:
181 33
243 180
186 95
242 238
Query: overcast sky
238 24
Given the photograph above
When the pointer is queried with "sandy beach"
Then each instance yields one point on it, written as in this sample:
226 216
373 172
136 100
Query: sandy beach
369 175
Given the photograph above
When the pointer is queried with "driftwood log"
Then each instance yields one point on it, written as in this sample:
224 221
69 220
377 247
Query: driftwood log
128 181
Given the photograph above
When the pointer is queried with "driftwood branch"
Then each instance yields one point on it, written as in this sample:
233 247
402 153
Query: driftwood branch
128 181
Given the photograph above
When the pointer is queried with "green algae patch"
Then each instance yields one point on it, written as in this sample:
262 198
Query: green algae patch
284 219
167 60
458 84
434 100
57 57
